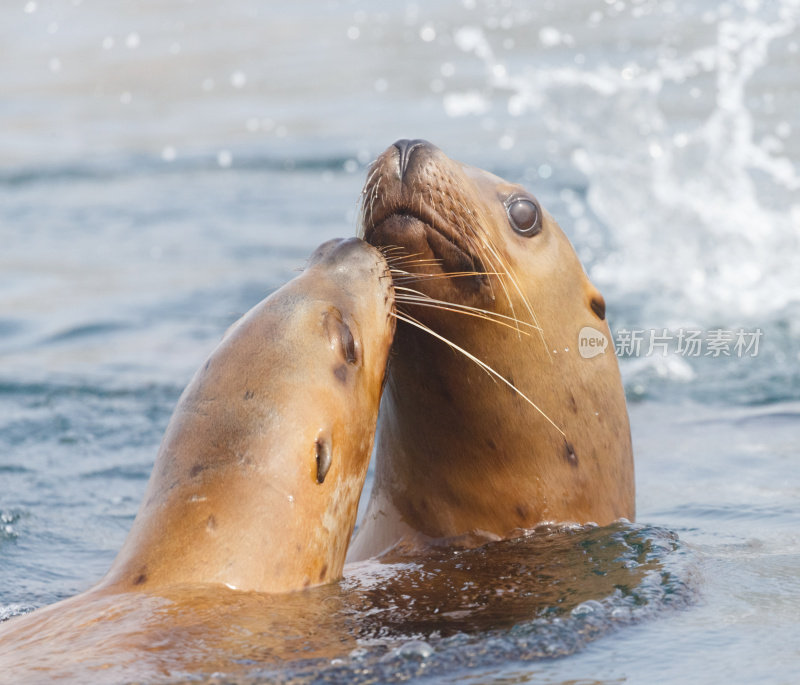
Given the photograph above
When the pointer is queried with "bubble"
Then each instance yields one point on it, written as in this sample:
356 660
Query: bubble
238 79
353 32
133 40
30 7
168 154
351 166
545 171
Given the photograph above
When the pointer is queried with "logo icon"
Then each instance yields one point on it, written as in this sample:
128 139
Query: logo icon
591 342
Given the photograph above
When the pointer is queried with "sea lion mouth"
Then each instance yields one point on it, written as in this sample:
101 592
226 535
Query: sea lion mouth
414 229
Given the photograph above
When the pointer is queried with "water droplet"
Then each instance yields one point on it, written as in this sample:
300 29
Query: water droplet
168 154
224 158
133 40
238 79
549 36
415 648
427 33
353 32
30 7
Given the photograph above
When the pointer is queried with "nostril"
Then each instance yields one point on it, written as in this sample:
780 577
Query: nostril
406 149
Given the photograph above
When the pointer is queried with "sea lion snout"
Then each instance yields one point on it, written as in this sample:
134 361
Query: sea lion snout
348 260
405 149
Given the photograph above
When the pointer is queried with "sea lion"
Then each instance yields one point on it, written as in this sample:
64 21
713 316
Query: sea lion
463 450
257 480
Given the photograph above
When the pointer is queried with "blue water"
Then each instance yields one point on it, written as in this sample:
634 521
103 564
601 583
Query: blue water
164 166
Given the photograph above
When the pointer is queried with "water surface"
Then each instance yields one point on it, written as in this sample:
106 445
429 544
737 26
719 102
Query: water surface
163 166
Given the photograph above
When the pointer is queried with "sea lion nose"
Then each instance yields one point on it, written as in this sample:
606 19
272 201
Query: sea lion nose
406 149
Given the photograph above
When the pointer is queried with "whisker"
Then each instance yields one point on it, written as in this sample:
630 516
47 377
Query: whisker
483 365
467 311
418 296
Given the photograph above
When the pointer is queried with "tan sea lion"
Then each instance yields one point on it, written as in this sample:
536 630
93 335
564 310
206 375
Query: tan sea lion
461 450
257 481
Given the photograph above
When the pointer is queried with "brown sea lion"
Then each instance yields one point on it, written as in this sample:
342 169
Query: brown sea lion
256 484
528 429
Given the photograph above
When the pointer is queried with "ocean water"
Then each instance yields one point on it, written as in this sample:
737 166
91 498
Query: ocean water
164 165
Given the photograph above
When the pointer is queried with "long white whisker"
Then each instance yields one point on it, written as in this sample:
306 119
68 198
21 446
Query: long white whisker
483 365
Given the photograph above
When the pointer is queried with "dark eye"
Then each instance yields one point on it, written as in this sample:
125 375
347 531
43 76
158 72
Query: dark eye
524 217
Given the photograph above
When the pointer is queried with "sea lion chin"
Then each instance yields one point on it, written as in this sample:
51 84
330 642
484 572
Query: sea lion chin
533 431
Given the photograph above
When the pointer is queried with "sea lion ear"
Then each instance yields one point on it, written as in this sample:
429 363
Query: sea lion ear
323 456
597 304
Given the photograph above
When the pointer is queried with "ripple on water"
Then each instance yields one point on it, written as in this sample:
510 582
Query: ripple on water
540 596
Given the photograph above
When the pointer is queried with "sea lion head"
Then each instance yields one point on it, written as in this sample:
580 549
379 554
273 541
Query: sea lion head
257 481
506 406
